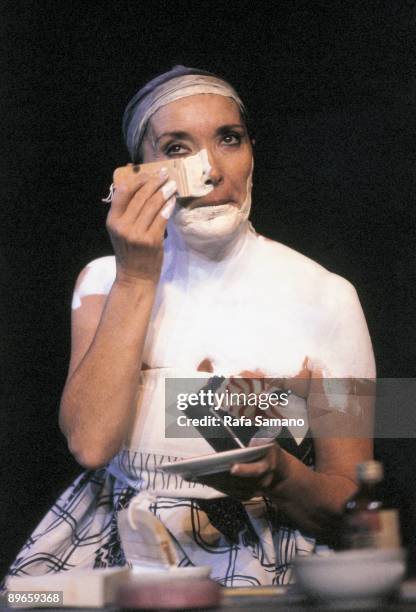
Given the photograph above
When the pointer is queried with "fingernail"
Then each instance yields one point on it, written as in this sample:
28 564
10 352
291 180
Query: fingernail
167 210
234 469
163 172
169 189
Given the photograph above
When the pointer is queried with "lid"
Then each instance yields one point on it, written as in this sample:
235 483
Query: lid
370 471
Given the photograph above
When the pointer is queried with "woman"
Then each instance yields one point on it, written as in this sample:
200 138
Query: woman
213 296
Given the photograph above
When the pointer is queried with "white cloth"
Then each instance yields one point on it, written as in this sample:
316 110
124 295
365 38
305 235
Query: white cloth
264 309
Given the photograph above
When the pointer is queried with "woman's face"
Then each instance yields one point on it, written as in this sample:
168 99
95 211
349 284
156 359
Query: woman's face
211 122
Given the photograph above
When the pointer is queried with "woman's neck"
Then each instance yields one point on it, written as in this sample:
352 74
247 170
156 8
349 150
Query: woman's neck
207 251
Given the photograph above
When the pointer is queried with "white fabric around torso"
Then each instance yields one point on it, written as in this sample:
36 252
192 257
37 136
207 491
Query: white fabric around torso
264 310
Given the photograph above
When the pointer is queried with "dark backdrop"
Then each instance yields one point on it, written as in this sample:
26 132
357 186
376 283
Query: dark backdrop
332 91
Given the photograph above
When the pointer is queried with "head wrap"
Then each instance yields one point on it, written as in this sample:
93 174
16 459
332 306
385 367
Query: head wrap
177 83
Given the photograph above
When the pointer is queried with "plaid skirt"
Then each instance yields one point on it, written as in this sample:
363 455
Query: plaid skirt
245 543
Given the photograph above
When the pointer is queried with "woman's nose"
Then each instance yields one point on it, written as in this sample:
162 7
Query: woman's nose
215 175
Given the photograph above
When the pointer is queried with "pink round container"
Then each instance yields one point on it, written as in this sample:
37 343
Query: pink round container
166 593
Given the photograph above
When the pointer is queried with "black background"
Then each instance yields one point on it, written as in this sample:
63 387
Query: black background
331 88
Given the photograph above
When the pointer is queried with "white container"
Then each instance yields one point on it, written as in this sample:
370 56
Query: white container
86 588
348 577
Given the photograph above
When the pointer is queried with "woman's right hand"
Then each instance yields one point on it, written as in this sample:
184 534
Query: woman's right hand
140 208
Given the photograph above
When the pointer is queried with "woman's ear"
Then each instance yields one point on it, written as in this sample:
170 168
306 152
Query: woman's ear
253 142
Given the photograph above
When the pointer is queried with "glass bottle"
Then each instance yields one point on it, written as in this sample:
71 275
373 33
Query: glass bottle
366 522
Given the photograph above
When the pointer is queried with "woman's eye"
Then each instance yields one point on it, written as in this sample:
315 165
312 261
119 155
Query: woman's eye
232 139
175 149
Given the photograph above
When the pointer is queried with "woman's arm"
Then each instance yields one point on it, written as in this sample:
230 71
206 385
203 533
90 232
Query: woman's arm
99 396
311 499
108 333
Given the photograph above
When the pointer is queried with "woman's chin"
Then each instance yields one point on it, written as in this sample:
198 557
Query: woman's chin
210 227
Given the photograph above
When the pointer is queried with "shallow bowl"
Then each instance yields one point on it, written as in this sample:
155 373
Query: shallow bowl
351 575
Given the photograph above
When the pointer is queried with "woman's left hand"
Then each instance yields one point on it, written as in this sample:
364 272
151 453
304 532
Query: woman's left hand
247 480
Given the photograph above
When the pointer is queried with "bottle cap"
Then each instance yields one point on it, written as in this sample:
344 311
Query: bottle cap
370 471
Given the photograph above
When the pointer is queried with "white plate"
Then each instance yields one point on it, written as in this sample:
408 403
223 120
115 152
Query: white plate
217 462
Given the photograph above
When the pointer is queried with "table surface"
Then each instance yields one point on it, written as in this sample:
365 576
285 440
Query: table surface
281 599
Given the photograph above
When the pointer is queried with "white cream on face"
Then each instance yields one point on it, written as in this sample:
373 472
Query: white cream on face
197 169
215 224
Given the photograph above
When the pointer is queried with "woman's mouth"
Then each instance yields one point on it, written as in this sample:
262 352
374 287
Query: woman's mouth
208 203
